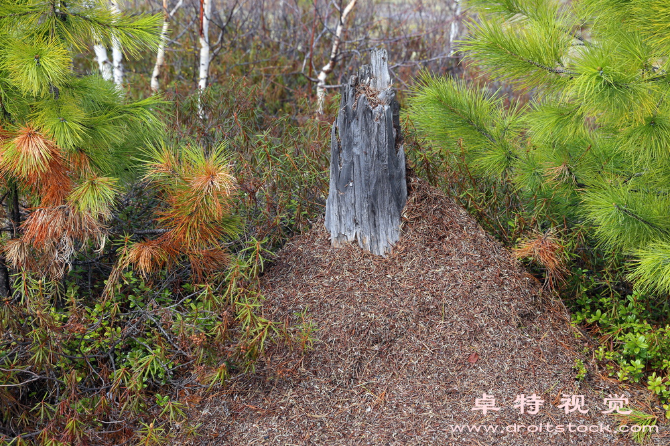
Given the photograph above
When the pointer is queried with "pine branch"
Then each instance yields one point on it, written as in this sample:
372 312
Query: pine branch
508 51
16 14
640 219
536 64
544 67
468 121
150 231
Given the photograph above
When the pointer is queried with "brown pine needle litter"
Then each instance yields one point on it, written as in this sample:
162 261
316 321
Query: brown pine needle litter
392 360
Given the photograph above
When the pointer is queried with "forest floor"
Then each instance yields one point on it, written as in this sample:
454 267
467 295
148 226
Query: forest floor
407 343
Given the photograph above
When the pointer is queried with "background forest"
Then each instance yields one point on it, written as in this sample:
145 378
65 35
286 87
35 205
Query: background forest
155 155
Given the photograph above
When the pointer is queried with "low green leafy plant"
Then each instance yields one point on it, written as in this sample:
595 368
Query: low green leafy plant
305 330
637 347
580 370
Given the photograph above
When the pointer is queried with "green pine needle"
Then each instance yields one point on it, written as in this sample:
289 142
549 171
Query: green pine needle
36 67
94 195
651 268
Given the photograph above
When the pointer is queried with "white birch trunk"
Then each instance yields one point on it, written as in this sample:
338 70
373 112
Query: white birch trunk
160 56
205 15
104 64
325 71
204 43
117 57
455 27
117 54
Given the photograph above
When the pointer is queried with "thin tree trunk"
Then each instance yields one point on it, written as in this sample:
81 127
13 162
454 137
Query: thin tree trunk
5 289
104 64
15 212
117 53
160 56
325 71
455 29
15 216
205 16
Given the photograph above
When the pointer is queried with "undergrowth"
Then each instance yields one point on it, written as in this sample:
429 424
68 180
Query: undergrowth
118 355
83 369
279 152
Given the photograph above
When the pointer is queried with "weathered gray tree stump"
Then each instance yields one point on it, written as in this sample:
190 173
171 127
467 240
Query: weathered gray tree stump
367 165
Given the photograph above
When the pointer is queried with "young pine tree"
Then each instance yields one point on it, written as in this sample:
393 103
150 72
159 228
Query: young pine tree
75 362
592 146
64 137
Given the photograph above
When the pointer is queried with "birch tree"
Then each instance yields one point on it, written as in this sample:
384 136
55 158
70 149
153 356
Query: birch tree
110 70
328 68
104 63
117 53
455 28
205 17
205 58
160 56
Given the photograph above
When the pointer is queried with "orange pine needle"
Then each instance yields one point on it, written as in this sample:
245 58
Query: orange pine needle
39 162
56 223
148 256
29 152
207 261
546 250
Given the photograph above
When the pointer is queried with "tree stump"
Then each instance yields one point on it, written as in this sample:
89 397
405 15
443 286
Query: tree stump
367 166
